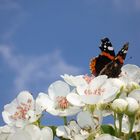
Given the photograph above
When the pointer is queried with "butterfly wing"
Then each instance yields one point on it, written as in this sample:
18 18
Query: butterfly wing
120 57
113 69
106 56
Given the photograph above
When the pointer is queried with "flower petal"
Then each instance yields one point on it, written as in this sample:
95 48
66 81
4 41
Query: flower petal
111 89
43 102
47 133
74 99
20 135
86 120
130 73
130 69
34 131
135 94
74 80
90 99
58 88
63 131
24 97
98 81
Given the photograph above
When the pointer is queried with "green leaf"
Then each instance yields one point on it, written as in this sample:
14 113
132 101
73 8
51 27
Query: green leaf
108 129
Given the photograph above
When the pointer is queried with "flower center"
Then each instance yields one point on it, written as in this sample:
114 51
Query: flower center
22 110
88 79
62 102
98 91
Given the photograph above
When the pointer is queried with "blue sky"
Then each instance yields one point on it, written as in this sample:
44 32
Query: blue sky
40 40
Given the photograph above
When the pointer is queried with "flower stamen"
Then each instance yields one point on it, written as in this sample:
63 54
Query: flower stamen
62 102
98 91
22 110
88 79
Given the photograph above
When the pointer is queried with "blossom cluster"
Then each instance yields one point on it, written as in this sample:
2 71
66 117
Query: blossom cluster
90 99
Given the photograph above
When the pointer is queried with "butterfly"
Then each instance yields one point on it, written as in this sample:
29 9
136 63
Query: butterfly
107 63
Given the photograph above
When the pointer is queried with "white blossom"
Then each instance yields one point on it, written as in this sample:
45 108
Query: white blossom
85 125
74 80
71 131
21 111
99 89
90 98
55 102
130 73
32 132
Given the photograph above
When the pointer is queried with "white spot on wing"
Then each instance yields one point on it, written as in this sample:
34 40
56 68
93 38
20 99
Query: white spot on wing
125 51
110 48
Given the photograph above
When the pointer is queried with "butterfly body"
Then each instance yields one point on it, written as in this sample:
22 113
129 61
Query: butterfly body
107 63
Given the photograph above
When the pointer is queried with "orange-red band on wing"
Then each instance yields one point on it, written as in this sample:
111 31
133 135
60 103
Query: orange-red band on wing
92 65
121 60
108 55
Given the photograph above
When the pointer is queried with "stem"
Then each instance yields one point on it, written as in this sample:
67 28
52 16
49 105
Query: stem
65 120
115 124
120 116
131 121
136 136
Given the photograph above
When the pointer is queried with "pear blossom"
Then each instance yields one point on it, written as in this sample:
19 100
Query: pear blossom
32 132
3 136
5 131
75 80
86 124
21 111
71 131
89 121
99 89
130 73
90 98
29 132
55 102
130 76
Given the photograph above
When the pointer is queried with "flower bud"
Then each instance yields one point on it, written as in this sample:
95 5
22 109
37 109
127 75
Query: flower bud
119 105
132 107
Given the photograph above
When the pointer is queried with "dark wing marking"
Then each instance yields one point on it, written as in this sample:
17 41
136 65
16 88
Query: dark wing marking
113 69
106 56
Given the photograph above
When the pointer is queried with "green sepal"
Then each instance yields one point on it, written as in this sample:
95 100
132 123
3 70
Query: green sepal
107 129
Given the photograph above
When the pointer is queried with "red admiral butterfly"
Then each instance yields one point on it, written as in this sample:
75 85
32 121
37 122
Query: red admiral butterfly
107 63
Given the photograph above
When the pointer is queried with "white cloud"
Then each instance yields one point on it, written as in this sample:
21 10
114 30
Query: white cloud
36 71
